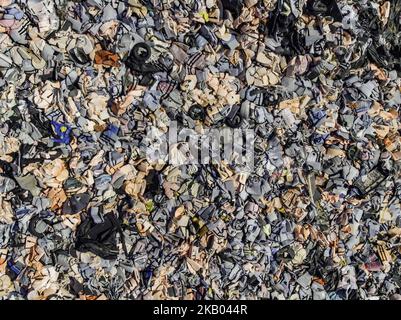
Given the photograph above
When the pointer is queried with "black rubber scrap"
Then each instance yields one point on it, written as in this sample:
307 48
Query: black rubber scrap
324 8
99 238
234 6
138 60
38 226
75 286
141 52
76 203
153 183
197 112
